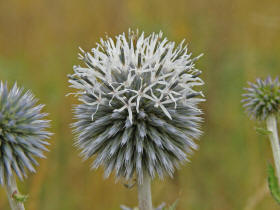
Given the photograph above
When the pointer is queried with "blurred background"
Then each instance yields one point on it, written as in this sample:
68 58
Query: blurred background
240 39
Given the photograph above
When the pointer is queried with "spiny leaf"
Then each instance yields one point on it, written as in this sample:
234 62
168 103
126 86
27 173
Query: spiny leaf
173 206
263 131
273 184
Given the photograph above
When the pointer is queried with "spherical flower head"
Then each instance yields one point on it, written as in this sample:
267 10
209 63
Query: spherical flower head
139 111
262 98
22 133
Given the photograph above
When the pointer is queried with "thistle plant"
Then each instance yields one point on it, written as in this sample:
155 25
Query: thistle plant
139 112
22 138
262 102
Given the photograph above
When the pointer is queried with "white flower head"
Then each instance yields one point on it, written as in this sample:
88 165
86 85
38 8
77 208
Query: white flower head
135 68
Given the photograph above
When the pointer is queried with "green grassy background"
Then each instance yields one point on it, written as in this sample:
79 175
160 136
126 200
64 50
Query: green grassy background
240 39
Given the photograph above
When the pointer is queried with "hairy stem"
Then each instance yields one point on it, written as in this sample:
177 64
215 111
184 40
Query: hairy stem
271 123
11 190
144 194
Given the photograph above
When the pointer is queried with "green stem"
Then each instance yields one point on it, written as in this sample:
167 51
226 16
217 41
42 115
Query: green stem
11 190
144 194
271 123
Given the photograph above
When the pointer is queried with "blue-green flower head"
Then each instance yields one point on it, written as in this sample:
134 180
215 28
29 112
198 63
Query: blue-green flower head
23 133
138 111
262 98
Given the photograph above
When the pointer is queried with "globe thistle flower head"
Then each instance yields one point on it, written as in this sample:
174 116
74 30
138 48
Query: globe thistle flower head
139 109
22 133
262 98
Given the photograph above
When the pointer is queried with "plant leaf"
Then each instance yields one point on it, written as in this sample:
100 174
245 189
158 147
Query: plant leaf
173 206
20 198
273 184
263 131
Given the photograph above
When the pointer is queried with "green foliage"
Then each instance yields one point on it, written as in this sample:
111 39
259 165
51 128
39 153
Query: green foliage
273 184
263 131
20 198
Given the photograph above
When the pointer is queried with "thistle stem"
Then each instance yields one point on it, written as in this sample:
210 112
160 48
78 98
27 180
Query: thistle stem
11 189
144 194
271 123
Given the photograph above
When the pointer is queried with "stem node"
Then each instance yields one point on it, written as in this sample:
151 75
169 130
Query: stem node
12 190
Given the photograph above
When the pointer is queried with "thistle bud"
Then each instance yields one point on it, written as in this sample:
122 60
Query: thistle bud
262 98
22 133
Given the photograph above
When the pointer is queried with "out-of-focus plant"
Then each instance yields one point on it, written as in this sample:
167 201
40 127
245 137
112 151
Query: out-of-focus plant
172 206
22 138
139 112
262 102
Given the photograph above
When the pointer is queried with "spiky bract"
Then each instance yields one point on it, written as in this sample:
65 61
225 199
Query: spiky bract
139 109
22 132
262 98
